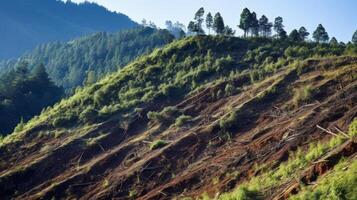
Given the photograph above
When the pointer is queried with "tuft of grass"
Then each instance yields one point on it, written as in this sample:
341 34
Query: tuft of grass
105 183
94 141
133 193
303 95
158 144
183 120
243 193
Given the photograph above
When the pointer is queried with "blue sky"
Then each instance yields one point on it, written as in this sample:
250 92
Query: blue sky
339 17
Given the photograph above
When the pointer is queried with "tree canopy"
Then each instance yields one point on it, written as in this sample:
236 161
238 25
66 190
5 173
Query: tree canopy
24 94
68 63
320 34
218 24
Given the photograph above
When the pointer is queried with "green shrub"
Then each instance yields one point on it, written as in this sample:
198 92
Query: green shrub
228 122
341 183
156 117
63 121
352 131
242 193
158 144
166 116
229 90
20 126
88 115
182 120
302 95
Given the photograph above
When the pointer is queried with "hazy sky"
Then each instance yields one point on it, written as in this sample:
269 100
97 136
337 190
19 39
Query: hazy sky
339 17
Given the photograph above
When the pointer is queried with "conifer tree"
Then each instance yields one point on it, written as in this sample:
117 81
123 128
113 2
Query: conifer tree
320 34
218 24
244 22
303 33
209 22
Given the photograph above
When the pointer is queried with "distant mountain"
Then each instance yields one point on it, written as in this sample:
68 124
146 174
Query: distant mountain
86 59
25 24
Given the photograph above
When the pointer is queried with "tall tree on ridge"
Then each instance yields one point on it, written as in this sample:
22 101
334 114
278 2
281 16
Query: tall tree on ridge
209 22
244 22
264 26
294 36
191 28
199 20
303 33
254 25
218 24
333 41
320 34
279 27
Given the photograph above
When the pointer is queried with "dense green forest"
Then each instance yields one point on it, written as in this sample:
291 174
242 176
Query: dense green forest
26 24
84 60
24 94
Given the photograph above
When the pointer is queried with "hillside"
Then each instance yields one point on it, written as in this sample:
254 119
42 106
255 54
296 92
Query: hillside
86 59
26 24
202 117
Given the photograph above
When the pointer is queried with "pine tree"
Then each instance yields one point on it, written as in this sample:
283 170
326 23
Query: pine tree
191 28
199 20
244 22
279 27
209 22
303 33
228 31
253 24
264 26
218 24
294 36
320 34
333 41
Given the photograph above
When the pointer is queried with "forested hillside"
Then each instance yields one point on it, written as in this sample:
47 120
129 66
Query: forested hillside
24 94
84 60
24 24
204 117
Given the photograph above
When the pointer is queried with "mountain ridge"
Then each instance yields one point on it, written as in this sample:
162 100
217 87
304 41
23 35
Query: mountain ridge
30 23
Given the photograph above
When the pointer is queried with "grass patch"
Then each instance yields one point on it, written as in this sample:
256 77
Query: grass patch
340 184
303 95
183 120
158 144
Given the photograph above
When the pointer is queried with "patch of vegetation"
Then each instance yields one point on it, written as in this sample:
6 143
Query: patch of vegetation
171 73
158 144
94 141
23 94
71 64
303 95
242 193
228 122
341 183
166 116
183 120
133 193
297 161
